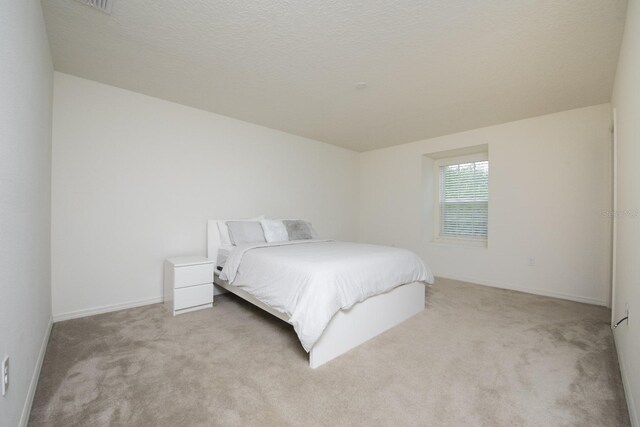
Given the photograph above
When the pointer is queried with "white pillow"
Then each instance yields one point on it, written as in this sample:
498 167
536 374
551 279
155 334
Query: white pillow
224 233
274 230
245 232
224 230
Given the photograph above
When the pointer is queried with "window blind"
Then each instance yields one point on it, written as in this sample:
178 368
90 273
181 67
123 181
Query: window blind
464 200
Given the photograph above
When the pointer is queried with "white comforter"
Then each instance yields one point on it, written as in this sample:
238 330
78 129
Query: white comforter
311 280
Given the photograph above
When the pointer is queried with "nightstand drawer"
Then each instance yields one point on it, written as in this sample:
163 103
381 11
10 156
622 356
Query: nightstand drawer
193 275
193 296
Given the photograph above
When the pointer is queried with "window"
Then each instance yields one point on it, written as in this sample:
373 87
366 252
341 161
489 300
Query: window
463 198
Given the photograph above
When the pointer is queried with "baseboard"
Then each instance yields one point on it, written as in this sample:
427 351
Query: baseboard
105 309
577 298
633 412
26 409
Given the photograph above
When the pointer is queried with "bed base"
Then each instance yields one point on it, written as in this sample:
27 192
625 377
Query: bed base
365 320
348 328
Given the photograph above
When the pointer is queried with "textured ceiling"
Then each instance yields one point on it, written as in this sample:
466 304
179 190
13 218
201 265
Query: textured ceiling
432 67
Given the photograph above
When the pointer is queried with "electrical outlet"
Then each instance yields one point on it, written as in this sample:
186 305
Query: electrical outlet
5 375
531 262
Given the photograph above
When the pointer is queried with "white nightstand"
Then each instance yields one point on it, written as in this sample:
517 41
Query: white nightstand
188 284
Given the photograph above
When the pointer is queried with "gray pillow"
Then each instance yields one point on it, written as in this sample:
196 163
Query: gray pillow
245 232
298 229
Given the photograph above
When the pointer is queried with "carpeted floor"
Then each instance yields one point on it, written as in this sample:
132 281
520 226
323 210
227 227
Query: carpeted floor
475 356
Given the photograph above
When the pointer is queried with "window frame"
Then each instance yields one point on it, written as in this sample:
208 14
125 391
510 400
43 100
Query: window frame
447 239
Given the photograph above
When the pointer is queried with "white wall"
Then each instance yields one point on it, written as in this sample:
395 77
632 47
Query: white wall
549 184
626 101
25 199
136 178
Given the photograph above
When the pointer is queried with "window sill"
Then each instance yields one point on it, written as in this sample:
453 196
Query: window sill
452 241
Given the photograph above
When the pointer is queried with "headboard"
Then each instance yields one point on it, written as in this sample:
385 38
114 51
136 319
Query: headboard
213 239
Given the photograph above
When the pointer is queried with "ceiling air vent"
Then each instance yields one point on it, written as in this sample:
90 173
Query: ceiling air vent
101 5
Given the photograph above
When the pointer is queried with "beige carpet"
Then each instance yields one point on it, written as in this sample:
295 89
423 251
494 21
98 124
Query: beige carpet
475 356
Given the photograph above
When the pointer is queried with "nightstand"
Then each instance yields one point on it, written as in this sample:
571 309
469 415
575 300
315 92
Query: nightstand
188 284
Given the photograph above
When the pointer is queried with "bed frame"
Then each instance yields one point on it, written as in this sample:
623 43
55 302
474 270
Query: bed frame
348 328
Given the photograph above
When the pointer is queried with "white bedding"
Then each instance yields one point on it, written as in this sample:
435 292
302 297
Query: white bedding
223 254
311 280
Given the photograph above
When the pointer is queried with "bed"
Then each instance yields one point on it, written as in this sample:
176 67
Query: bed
289 280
